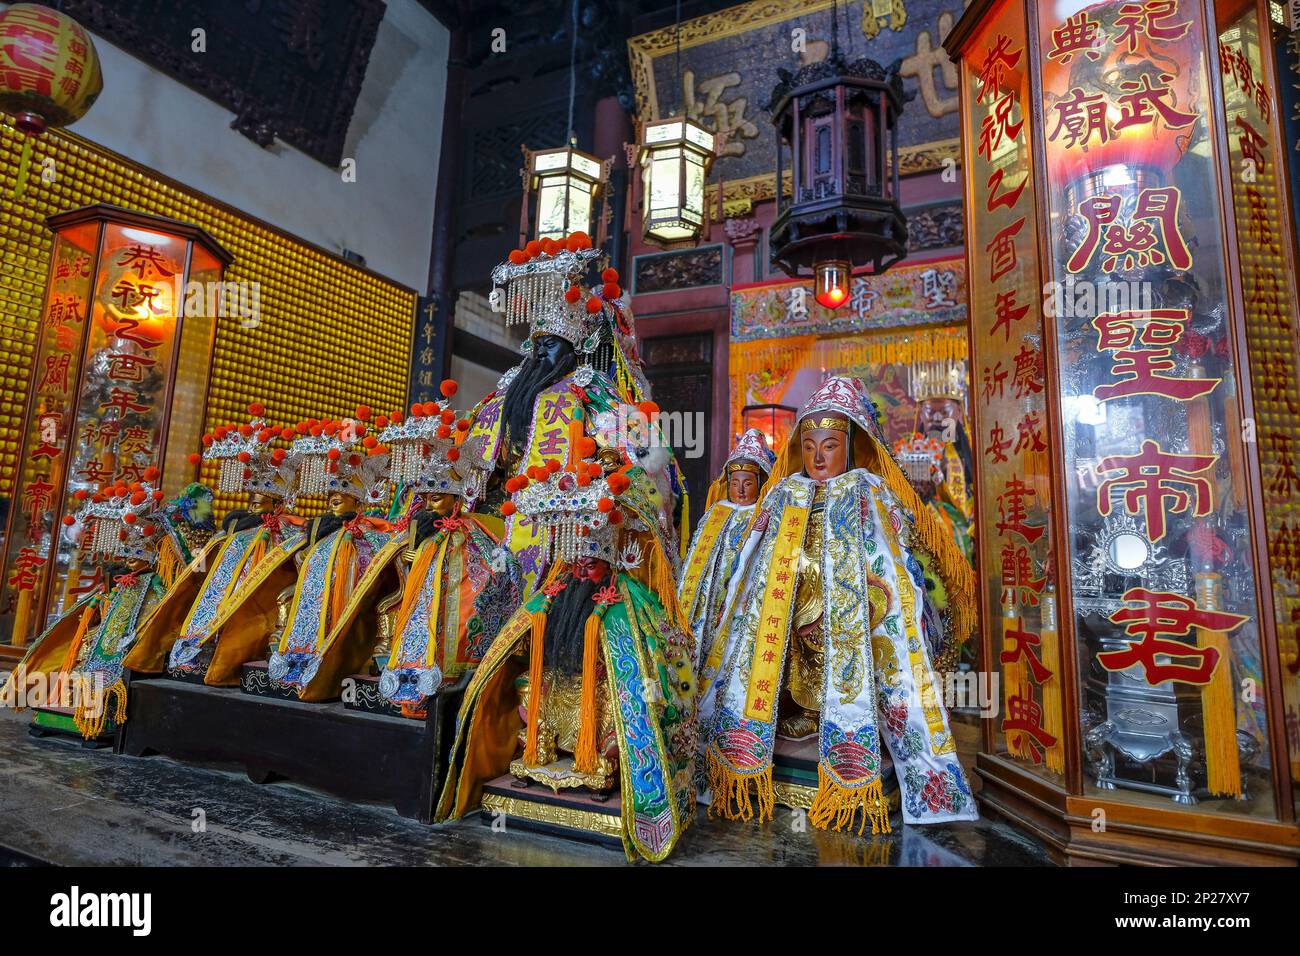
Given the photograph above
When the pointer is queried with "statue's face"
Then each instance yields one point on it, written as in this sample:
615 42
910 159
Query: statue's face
342 503
137 565
742 487
261 504
593 569
825 452
550 348
936 413
442 505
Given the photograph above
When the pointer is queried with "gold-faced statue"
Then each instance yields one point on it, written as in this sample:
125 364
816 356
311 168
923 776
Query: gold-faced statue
742 484
260 504
341 503
824 440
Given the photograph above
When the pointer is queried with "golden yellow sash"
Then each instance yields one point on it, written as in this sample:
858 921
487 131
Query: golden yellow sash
713 525
774 624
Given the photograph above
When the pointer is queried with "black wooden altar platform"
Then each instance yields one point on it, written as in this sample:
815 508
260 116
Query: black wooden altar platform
349 752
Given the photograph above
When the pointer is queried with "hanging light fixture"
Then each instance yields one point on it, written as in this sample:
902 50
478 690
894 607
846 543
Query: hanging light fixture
563 186
676 155
837 120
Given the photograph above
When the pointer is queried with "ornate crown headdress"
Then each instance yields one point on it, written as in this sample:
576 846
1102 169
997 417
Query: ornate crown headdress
460 470
123 521
575 508
752 447
543 285
248 462
414 441
919 456
339 456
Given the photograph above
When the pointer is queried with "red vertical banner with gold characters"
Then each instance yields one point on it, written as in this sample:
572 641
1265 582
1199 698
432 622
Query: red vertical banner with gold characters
48 445
1008 395
1160 552
1266 246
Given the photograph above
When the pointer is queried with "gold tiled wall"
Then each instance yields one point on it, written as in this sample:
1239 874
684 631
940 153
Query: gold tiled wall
331 336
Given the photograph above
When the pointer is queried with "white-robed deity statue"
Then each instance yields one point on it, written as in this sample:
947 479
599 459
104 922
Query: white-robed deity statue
827 631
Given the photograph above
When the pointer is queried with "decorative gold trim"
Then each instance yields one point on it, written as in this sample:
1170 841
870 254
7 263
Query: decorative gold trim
796 796
605 824
793 795
812 424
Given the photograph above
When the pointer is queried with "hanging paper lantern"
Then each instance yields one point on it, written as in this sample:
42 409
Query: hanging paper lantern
49 71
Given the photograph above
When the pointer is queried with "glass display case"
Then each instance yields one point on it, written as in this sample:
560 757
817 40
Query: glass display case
119 384
1133 356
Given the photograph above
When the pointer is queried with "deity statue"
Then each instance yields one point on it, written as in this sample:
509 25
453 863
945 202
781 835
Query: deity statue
338 460
581 359
942 439
140 542
828 631
454 583
719 537
186 636
590 683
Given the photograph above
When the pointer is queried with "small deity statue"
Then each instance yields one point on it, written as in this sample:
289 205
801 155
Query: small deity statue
720 535
338 460
140 543
455 584
186 634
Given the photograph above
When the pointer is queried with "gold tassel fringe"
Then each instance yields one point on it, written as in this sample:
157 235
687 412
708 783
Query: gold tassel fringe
1053 711
584 754
91 725
1219 710
536 648
836 805
729 791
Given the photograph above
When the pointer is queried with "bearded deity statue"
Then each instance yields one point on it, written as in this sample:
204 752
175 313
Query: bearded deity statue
589 685
184 635
581 360
827 632
719 537
437 594
141 543
339 461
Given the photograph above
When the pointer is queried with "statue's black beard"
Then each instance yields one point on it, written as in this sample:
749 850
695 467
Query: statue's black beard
565 623
537 373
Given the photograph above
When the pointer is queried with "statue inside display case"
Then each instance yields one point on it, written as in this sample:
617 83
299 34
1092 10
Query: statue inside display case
140 544
828 631
438 593
718 538
184 635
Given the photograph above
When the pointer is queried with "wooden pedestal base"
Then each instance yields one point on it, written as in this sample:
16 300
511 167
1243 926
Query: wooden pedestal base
58 722
352 754
794 774
1076 834
572 814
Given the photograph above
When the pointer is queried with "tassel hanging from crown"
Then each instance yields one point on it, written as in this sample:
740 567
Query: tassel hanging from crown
313 476
230 480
